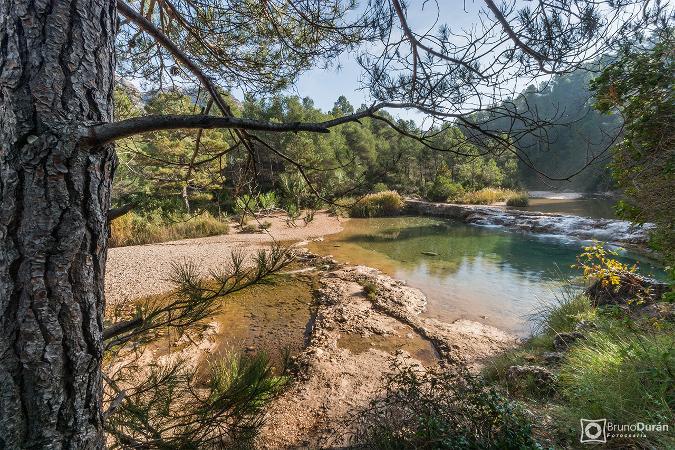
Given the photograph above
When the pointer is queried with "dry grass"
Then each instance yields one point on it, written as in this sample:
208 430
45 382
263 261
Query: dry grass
133 229
387 203
488 196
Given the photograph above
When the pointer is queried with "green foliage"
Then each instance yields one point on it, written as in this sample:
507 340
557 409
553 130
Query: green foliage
563 148
154 226
639 87
169 164
441 409
387 203
444 189
173 409
380 187
626 376
370 289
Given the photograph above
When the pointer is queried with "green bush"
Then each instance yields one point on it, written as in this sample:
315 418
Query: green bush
625 376
444 189
387 203
380 187
441 409
518 199
370 289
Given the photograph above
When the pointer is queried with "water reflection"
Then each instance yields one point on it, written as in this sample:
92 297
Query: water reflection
485 274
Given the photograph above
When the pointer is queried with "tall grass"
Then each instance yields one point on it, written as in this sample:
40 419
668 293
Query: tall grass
562 312
135 229
488 196
625 377
386 203
519 199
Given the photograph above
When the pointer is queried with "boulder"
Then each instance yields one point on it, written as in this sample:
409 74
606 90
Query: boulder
563 341
541 377
657 311
553 358
631 288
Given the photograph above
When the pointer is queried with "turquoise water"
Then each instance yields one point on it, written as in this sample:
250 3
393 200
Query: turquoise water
490 275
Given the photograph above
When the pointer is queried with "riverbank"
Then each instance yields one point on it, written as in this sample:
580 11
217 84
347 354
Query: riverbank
364 320
142 270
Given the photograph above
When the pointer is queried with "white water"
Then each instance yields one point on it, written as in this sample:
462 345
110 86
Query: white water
618 231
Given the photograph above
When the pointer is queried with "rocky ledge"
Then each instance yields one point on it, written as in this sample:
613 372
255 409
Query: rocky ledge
616 231
364 320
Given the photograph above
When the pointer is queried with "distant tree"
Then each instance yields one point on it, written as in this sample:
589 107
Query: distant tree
342 107
639 87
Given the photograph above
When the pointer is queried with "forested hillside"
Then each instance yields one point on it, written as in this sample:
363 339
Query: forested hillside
179 168
176 169
577 139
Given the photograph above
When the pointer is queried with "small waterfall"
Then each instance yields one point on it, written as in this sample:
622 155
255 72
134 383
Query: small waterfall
610 230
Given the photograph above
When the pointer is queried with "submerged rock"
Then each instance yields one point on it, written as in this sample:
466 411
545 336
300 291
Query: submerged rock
536 222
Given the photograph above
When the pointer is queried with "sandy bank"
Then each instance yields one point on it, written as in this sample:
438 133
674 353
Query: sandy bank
142 270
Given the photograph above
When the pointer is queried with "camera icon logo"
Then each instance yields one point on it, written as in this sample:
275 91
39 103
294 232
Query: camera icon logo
593 431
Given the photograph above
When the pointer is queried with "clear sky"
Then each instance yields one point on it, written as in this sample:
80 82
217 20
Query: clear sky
325 86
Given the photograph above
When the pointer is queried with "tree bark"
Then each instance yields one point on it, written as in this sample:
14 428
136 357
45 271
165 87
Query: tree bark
56 76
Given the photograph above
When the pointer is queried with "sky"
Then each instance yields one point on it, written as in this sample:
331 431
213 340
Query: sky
324 86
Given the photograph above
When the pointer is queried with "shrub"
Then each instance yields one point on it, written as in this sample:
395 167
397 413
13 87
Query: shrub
249 228
370 289
487 196
444 189
135 229
175 409
441 409
380 187
625 376
387 203
518 199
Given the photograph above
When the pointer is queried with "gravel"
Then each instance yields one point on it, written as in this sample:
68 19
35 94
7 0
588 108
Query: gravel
141 270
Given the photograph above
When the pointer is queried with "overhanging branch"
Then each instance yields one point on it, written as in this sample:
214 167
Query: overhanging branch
107 132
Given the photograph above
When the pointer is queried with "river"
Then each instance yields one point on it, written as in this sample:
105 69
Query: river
487 274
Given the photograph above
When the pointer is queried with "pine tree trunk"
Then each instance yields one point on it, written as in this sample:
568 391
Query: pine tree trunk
56 75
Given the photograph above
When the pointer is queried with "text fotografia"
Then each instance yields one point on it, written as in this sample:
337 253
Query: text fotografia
599 430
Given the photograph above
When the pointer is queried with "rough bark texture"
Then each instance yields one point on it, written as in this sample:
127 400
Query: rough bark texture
56 75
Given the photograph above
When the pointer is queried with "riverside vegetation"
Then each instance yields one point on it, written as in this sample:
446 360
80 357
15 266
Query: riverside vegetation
603 352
